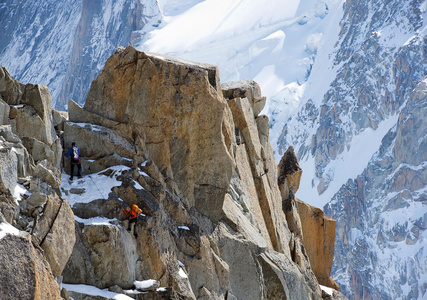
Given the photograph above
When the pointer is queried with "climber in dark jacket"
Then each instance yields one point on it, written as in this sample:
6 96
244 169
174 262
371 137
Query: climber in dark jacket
74 154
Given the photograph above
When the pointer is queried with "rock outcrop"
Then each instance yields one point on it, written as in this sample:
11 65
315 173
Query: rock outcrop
313 237
166 106
318 240
30 177
200 166
162 133
26 273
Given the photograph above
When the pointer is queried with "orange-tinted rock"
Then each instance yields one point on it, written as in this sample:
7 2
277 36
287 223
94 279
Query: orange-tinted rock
319 241
178 109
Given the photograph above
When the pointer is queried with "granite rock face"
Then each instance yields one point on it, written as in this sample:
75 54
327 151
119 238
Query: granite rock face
203 172
26 274
179 111
30 176
192 154
318 240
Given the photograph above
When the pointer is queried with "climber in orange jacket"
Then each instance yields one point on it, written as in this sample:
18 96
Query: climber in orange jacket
134 212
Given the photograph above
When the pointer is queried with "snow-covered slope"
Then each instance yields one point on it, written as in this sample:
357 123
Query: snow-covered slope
381 244
360 140
274 43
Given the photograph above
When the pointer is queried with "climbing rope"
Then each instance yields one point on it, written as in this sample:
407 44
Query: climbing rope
97 187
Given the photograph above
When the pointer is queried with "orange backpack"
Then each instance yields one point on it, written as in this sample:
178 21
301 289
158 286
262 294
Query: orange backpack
136 208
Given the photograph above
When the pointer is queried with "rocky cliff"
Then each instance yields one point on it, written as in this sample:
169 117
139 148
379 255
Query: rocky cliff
351 66
219 218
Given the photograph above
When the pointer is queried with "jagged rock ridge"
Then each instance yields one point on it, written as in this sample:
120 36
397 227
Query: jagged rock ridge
42 236
196 158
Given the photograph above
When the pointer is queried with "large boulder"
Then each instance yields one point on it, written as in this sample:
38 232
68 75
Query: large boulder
27 109
284 280
260 273
102 252
245 89
25 272
10 90
34 115
39 98
77 114
9 168
15 161
289 174
55 233
96 141
177 107
4 112
8 205
38 150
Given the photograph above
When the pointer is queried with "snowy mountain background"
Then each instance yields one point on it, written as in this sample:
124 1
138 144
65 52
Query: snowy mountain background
346 87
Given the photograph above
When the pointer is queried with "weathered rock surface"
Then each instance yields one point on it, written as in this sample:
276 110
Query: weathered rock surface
245 89
319 240
202 171
58 241
197 160
165 104
25 274
262 169
102 252
31 155
289 176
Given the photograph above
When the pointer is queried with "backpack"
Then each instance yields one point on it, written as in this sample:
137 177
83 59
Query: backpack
75 153
137 209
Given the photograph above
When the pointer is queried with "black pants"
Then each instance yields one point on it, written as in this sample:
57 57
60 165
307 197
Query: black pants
132 224
79 167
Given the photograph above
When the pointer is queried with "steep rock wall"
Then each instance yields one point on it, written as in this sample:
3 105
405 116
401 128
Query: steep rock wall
202 171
